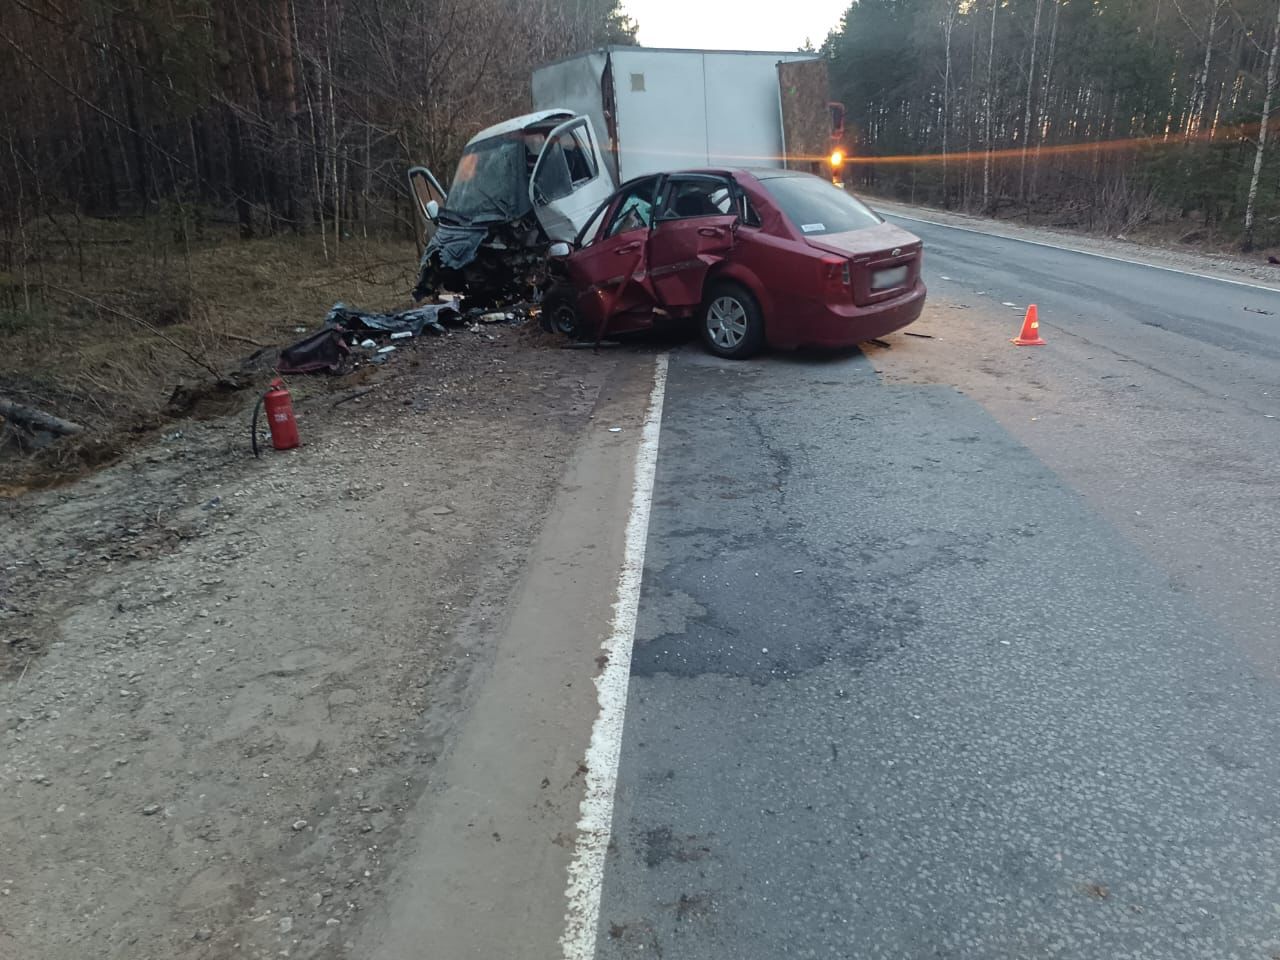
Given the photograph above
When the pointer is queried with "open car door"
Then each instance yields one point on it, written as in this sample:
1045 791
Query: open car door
570 179
609 273
426 189
695 227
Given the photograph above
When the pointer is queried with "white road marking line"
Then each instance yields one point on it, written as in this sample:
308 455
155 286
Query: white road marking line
595 815
1087 253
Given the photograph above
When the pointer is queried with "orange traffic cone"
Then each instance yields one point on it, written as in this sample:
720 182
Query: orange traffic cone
1030 335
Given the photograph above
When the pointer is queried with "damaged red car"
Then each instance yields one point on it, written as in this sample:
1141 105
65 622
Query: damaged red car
757 257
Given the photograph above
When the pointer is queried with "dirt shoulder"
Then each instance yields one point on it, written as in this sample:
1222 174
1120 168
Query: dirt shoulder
225 681
1251 269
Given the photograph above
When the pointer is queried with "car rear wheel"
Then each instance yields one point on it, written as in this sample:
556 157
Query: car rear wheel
560 312
732 324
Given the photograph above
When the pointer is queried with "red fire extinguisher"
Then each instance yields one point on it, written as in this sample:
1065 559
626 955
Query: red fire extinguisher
279 406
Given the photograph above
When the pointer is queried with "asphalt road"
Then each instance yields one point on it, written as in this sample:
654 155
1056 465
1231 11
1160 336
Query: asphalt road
964 650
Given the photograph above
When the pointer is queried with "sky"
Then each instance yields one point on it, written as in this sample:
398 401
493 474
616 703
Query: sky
730 25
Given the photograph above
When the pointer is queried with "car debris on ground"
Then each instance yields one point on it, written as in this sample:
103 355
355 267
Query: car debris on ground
350 334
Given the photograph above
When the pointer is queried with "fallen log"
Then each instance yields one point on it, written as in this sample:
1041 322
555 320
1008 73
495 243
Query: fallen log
37 419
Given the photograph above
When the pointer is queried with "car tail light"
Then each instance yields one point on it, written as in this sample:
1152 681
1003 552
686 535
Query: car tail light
836 282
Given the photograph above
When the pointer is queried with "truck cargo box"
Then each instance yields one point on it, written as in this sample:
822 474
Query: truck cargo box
664 110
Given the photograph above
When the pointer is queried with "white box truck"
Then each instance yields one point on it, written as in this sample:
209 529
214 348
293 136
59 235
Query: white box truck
660 110
602 118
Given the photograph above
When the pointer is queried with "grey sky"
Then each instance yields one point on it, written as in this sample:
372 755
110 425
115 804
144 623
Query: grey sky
729 25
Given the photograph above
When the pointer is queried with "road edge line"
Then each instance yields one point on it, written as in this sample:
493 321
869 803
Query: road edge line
595 813
1086 253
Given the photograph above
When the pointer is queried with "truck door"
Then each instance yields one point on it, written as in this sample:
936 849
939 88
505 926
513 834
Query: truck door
570 179
695 228
426 189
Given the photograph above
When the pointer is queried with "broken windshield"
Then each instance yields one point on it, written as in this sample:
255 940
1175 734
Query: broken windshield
491 183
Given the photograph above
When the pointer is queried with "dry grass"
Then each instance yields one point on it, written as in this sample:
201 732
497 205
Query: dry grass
126 332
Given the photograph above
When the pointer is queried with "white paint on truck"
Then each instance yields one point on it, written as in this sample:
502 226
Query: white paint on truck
674 109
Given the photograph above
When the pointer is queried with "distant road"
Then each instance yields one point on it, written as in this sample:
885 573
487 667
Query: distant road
1105 298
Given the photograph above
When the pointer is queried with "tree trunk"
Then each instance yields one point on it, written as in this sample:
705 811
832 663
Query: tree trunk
1200 98
1041 114
948 26
1259 155
986 162
1026 117
37 419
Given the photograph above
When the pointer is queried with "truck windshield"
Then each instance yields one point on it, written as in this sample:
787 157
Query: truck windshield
491 182
816 207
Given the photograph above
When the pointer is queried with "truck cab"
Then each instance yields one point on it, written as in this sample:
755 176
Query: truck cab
519 186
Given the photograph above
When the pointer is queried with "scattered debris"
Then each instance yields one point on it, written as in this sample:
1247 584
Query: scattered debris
922 336
432 316
325 350
1265 313
880 343
354 396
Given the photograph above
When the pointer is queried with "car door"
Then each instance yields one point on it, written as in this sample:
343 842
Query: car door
609 273
695 226
570 179
425 189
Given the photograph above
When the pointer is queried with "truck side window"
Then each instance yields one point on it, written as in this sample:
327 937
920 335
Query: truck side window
554 181
581 156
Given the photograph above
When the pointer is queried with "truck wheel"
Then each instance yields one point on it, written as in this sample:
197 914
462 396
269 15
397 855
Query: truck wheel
732 325
560 312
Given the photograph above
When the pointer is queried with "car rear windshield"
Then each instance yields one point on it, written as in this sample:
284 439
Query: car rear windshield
817 207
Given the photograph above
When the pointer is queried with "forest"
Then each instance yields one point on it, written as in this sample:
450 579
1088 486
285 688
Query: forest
280 115
1103 114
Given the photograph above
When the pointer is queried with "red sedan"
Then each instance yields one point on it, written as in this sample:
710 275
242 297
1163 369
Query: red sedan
757 256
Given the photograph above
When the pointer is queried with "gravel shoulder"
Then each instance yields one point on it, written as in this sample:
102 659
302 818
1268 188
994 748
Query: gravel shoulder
1252 269
225 682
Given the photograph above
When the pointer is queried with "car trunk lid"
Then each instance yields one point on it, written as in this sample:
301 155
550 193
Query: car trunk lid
883 261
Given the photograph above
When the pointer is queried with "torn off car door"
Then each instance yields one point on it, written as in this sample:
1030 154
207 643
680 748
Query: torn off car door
427 191
695 228
570 179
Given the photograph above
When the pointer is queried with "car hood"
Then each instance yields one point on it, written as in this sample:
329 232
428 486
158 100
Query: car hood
884 236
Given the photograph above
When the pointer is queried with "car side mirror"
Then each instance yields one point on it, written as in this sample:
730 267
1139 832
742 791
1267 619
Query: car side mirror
433 210
559 250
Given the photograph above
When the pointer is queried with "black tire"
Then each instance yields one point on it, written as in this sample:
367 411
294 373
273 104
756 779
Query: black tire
560 312
731 323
